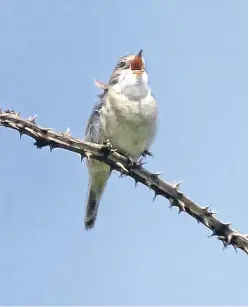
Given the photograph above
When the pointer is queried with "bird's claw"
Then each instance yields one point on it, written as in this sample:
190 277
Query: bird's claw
140 163
131 163
147 153
106 147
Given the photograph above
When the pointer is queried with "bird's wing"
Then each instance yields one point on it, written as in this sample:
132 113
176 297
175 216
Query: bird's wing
92 133
98 172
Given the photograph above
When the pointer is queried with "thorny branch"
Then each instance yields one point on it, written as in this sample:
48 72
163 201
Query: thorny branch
47 137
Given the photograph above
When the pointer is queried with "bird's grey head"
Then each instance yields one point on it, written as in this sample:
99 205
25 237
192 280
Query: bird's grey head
129 77
133 62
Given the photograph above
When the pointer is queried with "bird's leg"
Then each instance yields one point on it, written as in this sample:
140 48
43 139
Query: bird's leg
140 162
131 163
106 147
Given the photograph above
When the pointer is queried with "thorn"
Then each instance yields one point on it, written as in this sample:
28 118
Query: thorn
235 248
82 156
21 133
245 249
205 222
230 237
51 146
136 182
181 206
213 212
212 235
180 210
176 187
156 175
155 195
177 184
32 119
120 165
209 212
207 208
88 155
180 192
224 246
148 183
40 143
199 218
46 130
67 133
172 202
223 232
226 243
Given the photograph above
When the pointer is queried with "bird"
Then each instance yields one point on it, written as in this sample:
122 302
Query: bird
126 115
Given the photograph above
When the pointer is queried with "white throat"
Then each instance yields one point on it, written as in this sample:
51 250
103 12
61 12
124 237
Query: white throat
132 86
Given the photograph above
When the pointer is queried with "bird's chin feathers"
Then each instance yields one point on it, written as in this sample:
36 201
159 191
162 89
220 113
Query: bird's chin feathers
133 86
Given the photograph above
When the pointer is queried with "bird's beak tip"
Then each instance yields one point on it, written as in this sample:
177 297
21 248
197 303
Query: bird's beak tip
140 53
137 65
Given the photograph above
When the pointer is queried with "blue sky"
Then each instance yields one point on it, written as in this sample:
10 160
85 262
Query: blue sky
140 252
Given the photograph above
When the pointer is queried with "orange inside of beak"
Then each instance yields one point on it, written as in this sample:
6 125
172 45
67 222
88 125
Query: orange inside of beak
137 65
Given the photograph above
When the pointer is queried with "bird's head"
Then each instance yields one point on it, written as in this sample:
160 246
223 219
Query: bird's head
129 77
130 67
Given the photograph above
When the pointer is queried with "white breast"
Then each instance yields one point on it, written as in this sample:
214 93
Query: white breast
129 125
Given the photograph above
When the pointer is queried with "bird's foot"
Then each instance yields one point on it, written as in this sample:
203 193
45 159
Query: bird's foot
140 163
130 163
135 164
106 147
147 153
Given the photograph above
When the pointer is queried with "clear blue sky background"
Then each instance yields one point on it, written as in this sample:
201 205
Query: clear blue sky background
140 252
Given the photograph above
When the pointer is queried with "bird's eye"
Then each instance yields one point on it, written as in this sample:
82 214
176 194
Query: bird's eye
121 64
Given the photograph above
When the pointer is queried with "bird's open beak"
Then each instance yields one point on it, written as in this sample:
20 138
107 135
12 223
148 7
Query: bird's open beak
137 65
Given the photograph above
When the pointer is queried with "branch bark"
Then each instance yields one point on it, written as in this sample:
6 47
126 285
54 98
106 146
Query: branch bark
47 137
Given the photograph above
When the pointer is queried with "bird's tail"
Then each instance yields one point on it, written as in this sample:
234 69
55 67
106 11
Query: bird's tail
98 176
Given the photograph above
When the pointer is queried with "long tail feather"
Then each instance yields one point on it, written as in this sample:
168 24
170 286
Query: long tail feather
98 176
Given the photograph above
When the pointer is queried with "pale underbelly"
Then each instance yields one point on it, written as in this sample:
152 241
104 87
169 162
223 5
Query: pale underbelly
128 137
129 125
